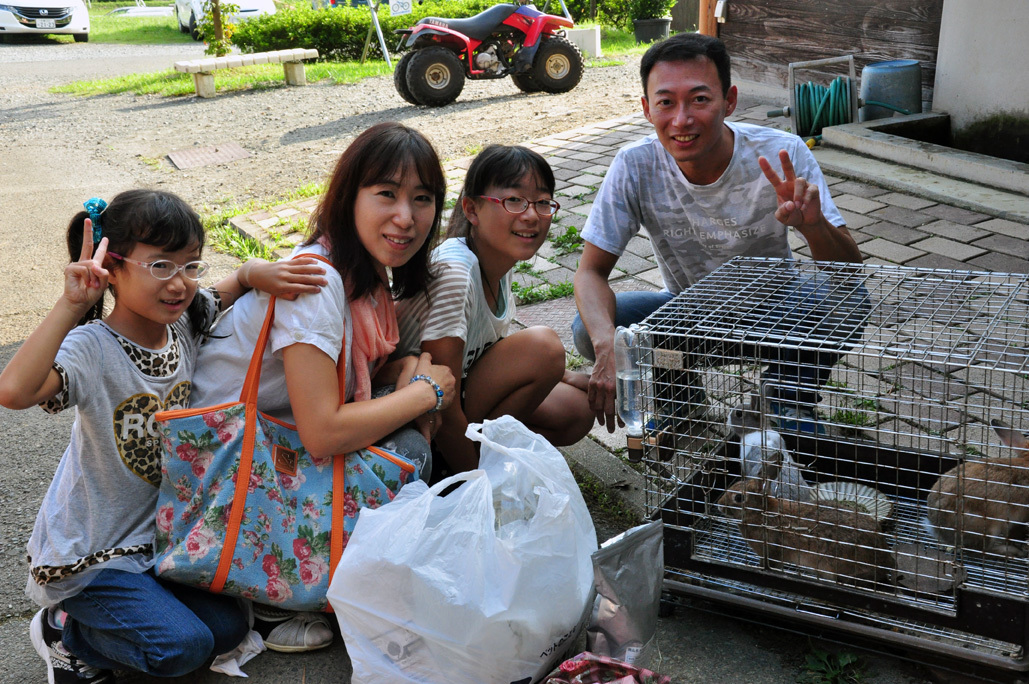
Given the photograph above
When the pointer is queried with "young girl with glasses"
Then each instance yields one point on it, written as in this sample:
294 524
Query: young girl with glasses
91 552
503 216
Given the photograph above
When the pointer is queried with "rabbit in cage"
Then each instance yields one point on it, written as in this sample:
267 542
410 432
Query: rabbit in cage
984 501
837 542
760 445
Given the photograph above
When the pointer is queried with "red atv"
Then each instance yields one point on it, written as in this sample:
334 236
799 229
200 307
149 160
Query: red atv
513 39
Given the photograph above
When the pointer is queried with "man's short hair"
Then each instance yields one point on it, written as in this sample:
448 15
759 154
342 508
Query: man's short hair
682 47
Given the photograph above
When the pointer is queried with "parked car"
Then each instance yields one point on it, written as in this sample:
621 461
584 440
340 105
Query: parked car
45 17
189 12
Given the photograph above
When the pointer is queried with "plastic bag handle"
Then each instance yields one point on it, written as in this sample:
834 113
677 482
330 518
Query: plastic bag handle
466 476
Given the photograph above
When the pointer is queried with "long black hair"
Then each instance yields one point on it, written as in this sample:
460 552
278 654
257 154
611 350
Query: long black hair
151 217
375 156
498 166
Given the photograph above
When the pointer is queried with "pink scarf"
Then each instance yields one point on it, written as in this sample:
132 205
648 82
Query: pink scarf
375 333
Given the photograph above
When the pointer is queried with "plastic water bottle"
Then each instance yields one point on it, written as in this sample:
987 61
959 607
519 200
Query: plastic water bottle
627 390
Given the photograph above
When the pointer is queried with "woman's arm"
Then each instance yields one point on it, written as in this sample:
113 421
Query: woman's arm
286 279
460 452
326 428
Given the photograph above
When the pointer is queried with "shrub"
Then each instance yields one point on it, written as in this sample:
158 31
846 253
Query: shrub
609 12
650 9
339 33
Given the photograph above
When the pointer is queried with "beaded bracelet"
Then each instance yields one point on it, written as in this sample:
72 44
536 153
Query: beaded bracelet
437 388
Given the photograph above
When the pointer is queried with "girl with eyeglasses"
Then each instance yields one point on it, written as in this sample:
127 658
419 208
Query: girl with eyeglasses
503 216
91 550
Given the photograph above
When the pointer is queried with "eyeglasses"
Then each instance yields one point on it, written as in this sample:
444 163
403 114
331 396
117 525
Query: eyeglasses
517 205
162 269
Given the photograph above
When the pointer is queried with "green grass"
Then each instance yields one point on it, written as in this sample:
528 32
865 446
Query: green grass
228 240
115 28
171 83
138 30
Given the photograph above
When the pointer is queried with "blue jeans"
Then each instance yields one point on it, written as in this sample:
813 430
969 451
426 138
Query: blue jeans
135 620
630 307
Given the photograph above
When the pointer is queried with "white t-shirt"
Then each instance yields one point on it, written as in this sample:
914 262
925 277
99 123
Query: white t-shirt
456 306
315 319
98 512
694 229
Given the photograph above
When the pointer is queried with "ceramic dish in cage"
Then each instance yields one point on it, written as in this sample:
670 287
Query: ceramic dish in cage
861 498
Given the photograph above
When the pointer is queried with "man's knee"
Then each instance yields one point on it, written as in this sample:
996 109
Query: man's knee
581 339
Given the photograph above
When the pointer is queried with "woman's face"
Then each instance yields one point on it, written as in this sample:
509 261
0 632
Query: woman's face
496 230
393 218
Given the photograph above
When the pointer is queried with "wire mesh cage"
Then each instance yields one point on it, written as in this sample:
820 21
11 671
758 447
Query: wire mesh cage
831 441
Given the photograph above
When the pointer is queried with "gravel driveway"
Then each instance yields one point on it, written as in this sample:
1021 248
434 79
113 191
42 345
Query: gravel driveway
59 149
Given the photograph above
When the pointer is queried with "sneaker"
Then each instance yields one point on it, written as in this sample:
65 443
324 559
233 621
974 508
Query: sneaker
299 632
791 417
61 666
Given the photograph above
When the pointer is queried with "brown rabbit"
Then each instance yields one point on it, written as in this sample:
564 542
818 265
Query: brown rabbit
837 542
981 502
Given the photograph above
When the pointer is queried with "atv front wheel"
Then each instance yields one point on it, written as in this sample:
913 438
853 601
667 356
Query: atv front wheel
557 67
400 78
435 76
525 83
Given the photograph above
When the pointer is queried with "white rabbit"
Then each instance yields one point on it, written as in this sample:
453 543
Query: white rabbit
760 446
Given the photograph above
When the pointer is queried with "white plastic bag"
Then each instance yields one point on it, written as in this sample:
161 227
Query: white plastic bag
486 585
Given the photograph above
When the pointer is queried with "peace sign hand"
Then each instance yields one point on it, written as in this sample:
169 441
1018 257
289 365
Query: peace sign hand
86 279
799 204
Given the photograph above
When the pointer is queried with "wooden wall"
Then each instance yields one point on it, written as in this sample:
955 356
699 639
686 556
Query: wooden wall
684 15
764 36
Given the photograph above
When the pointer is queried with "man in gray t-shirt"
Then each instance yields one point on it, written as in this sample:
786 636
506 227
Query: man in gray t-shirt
704 191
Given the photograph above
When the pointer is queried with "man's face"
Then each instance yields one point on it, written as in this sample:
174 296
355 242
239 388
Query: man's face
684 101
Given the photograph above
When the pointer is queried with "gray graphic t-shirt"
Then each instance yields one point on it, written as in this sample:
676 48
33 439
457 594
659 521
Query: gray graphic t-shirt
696 228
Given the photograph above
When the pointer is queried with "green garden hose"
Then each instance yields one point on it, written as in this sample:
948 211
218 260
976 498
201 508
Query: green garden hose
819 106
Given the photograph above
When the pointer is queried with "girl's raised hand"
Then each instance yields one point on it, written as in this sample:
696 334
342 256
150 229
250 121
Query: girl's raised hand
86 279
288 278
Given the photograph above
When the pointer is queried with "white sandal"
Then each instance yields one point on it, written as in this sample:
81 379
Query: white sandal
301 632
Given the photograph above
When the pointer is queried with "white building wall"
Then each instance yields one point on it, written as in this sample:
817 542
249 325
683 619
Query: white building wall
982 67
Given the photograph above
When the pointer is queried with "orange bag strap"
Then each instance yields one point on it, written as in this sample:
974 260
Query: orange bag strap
248 395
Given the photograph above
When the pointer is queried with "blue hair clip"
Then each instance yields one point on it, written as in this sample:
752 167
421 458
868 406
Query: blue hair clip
94 207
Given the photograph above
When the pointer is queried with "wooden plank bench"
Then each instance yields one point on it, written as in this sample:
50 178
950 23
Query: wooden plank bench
203 69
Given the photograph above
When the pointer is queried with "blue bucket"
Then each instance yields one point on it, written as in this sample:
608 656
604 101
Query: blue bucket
897 82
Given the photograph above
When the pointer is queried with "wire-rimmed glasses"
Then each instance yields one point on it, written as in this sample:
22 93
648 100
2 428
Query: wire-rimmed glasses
163 269
517 205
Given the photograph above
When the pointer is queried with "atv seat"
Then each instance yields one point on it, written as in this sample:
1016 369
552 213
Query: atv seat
478 27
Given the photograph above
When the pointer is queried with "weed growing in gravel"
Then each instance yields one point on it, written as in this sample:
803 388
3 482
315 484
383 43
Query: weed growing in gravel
603 505
541 292
574 361
566 242
823 667
153 162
